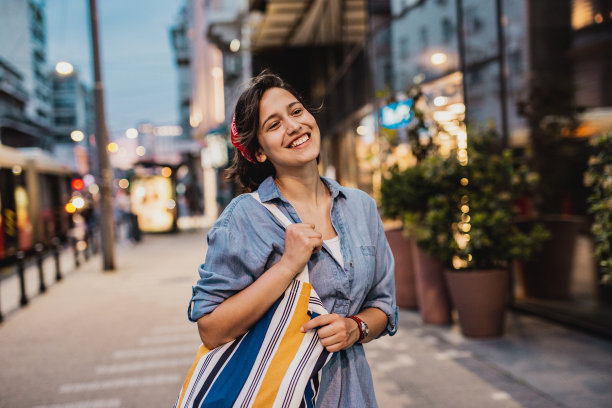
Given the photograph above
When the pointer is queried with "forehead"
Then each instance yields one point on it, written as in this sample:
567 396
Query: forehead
275 99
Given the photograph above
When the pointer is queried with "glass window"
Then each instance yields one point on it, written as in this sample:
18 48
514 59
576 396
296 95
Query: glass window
63 102
447 30
515 62
473 22
424 35
404 47
65 120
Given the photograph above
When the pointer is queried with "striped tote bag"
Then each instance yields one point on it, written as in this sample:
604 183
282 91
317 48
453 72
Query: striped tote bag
272 365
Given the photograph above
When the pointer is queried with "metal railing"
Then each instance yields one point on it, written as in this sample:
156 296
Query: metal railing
81 253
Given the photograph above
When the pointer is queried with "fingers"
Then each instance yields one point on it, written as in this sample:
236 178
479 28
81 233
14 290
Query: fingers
317 321
332 331
307 235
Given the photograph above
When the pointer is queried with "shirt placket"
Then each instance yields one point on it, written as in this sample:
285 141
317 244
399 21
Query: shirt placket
342 304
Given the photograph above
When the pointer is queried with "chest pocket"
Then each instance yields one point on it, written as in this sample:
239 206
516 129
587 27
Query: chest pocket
368 250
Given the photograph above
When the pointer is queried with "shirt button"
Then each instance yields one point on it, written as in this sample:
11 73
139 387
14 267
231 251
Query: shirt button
351 264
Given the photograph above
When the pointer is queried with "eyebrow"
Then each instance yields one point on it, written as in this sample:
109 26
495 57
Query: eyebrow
274 114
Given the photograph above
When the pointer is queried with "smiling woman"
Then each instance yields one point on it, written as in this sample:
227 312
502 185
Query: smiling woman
331 240
251 167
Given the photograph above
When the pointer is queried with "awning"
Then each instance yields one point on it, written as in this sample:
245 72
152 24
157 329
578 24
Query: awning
295 23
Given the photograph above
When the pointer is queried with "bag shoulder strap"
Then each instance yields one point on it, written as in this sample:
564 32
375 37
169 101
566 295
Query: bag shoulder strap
277 213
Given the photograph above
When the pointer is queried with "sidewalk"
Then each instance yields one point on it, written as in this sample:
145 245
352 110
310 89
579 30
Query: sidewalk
122 339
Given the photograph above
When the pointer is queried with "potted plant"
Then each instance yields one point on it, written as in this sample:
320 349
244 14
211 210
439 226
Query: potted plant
486 237
599 178
559 201
404 193
418 195
398 193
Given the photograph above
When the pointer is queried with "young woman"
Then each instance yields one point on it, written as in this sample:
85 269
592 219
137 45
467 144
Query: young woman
337 232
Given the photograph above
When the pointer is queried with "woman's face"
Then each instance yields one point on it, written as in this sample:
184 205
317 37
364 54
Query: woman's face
288 134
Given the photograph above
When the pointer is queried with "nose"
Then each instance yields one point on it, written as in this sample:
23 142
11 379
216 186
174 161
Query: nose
292 125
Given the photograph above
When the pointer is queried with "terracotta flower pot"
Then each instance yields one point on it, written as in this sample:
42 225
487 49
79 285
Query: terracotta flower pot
405 286
432 293
480 298
548 274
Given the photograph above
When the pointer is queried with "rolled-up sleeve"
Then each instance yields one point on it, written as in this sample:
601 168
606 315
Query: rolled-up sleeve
382 294
227 269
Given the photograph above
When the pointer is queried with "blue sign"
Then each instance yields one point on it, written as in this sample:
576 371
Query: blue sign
397 115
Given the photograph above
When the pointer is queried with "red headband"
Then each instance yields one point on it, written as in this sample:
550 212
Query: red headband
234 136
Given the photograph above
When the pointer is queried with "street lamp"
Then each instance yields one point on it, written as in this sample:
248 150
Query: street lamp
234 45
438 58
77 135
64 68
131 133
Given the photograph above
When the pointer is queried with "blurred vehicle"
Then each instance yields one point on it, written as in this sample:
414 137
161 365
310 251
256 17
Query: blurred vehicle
153 198
34 192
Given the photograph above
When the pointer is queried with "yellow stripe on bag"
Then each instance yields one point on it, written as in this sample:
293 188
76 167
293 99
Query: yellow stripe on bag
201 351
286 352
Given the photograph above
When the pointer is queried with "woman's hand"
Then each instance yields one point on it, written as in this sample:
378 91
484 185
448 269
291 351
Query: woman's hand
336 332
301 241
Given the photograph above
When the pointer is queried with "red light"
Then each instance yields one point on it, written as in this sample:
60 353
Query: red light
78 184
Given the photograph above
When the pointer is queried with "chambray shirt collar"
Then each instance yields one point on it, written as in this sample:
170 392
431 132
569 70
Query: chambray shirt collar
268 190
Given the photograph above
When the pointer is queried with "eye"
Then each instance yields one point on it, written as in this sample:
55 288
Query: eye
273 125
297 111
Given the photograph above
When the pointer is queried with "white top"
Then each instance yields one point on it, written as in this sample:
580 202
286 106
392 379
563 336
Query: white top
334 246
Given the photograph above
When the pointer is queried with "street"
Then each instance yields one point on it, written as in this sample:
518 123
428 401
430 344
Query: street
122 339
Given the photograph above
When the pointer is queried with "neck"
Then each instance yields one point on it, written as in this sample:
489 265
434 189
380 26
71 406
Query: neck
303 185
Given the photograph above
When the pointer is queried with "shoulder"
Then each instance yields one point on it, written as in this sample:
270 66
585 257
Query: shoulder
245 218
354 195
239 212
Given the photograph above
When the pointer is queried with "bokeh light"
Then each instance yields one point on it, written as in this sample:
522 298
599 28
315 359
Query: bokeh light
166 172
77 135
124 183
78 202
70 209
64 68
131 133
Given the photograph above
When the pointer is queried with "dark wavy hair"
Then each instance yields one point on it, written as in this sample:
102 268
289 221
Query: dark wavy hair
250 175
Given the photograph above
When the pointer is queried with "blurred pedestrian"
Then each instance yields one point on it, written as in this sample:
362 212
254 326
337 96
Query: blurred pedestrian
337 232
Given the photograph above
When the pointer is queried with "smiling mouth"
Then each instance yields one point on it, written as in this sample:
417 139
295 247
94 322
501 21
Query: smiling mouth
300 141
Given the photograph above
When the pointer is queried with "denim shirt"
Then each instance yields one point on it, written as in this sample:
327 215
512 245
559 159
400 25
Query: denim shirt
247 240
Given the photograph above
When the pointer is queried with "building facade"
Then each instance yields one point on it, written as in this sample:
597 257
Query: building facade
468 63
23 33
180 41
13 96
72 106
591 59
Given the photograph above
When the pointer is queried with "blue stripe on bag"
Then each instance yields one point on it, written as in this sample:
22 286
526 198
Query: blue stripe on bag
309 395
268 353
228 385
213 373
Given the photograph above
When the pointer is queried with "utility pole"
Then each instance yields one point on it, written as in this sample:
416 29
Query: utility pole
461 49
104 170
503 91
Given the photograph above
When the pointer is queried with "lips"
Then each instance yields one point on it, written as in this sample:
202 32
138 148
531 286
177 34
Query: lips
298 141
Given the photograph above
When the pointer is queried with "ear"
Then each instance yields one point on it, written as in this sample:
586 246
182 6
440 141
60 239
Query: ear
260 156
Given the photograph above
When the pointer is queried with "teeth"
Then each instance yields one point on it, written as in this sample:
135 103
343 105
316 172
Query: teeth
301 140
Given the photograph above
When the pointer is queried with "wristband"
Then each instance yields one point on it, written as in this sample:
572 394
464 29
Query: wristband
363 327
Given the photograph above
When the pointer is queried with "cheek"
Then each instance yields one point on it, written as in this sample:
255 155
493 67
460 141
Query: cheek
268 140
